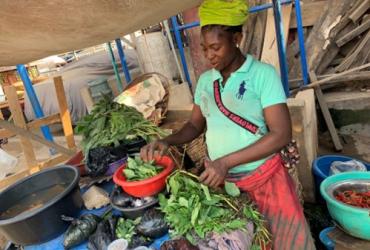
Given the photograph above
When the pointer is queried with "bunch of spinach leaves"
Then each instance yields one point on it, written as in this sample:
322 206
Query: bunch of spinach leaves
110 124
206 210
125 228
137 169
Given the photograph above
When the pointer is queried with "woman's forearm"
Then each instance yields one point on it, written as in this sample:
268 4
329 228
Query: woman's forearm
269 144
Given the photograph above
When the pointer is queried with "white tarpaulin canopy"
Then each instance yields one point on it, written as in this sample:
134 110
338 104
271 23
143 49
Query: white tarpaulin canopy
33 29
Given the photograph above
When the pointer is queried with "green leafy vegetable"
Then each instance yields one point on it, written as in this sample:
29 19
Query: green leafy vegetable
231 189
110 124
137 169
125 228
193 210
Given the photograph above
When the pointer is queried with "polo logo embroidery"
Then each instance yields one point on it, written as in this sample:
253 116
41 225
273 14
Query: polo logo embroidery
241 91
230 115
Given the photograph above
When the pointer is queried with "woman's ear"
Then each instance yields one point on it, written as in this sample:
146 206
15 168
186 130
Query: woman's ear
237 38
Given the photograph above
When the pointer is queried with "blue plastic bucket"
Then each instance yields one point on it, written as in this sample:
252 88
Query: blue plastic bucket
325 240
321 167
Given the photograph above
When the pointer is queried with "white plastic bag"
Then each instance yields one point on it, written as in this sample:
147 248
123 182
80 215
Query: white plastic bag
7 164
346 166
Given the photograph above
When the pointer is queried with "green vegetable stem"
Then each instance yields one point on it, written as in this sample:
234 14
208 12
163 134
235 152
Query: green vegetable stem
207 210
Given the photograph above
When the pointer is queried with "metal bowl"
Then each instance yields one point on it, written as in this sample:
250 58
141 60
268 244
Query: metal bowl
357 185
131 212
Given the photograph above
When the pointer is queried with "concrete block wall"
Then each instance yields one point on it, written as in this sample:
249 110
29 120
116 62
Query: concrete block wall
304 125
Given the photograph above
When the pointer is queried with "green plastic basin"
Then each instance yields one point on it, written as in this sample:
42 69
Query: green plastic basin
356 221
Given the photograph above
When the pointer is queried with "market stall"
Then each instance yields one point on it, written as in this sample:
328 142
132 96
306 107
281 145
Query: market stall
139 206
191 214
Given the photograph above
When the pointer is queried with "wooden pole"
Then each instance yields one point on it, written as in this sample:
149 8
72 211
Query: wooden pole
65 116
325 111
19 121
329 79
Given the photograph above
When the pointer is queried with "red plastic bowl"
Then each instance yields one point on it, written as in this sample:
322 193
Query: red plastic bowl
147 187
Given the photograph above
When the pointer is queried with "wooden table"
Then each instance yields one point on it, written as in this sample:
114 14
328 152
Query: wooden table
344 241
5 104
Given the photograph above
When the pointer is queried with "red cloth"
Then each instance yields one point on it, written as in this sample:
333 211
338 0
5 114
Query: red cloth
273 190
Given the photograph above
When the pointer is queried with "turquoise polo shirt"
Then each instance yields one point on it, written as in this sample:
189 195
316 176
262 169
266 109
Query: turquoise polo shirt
250 89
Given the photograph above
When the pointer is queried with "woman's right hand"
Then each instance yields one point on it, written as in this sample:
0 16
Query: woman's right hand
150 150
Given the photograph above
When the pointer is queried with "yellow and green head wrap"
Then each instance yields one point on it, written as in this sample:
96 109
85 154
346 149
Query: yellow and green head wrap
223 12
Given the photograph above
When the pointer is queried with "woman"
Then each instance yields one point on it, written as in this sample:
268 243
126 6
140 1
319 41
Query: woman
242 106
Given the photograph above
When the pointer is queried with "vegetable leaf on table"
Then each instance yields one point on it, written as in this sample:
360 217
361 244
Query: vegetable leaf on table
193 210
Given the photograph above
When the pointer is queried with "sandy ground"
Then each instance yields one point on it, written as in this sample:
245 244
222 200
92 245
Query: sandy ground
42 153
2 242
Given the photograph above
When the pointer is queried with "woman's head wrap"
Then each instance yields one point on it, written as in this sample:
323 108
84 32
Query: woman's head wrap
223 12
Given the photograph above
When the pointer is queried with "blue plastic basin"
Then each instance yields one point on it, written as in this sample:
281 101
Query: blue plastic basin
325 240
321 167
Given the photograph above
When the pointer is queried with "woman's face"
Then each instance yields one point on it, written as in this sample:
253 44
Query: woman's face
219 47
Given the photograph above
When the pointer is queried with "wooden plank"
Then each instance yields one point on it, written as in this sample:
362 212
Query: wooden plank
330 54
29 135
256 45
311 12
6 105
55 160
363 55
113 87
19 121
354 33
247 28
51 119
345 19
345 241
350 47
64 112
360 10
351 58
333 78
321 36
13 178
86 97
336 61
325 111
270 52
332 50
6 133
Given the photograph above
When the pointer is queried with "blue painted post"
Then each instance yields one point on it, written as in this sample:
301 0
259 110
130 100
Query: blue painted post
34 101
302 48
118 78
175 27
279 35
123 61
281 47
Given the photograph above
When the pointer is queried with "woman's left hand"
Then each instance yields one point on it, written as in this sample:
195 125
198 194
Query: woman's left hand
214 174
